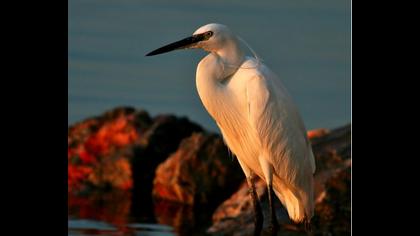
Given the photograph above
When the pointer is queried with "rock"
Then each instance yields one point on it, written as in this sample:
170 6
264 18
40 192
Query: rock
134 155
199 172
235 216
333 209
332 153
239 202
332 193
121 149
316 133
97 150
161 139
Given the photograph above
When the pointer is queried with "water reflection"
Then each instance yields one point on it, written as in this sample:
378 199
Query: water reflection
85 227
112 207
113 213
176 215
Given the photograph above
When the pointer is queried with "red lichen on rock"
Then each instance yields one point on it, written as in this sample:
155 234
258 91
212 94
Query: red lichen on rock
95 155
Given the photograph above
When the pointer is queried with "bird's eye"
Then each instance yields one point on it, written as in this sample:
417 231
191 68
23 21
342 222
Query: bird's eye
208 34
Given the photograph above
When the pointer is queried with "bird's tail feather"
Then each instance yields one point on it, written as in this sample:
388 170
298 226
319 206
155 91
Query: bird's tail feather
292 205
298 205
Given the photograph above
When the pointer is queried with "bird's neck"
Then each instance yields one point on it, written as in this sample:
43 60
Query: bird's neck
231 56
213 73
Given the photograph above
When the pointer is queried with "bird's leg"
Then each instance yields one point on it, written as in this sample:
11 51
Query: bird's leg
258 216
267 169
274 225
308 226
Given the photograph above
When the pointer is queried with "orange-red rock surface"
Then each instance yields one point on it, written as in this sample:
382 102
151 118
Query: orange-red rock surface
127 156
199 172
121 148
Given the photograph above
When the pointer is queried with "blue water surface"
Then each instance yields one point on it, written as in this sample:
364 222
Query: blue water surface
307 43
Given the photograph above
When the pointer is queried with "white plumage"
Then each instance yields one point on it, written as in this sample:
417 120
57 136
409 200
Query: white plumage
257 118
256 115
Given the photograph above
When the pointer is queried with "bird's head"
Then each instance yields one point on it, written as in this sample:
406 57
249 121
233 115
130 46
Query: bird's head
210 37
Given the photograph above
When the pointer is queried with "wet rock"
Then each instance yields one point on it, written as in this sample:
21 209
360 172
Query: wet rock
161 139
235 216
239 202
97 150
199 172
332 194
127 151
121 148
316 133
333 209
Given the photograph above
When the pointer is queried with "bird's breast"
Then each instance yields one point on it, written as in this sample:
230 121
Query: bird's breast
226 102
223 98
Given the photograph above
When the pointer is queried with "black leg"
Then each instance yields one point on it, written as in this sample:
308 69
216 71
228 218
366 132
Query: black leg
258 216
308 226
274 225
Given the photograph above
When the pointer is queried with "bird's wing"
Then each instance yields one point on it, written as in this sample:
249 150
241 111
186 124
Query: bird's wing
278 127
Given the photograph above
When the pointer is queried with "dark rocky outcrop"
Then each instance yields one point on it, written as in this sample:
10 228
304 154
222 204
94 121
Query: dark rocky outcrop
199 172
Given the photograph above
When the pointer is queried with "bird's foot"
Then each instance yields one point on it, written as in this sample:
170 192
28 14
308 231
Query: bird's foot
274 228
258 223
258 216
308 226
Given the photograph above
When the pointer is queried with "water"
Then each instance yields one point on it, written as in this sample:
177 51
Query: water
127 213
92 227
85 227
307 43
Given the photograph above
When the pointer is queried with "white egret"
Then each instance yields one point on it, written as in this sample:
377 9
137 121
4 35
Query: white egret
258 121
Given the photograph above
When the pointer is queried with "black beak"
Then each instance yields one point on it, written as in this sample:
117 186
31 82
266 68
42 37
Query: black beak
183 43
